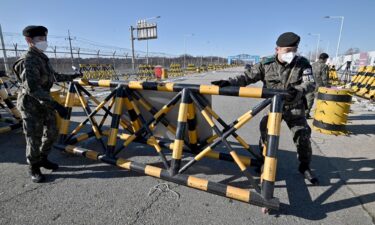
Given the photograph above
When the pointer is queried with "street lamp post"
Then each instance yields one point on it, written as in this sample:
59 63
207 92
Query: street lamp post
317 46
185 36
338 42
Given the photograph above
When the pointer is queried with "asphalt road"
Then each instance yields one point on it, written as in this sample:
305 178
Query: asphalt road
88 192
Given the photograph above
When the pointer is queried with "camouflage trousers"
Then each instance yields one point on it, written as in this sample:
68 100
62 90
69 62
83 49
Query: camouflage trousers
296 121
40 132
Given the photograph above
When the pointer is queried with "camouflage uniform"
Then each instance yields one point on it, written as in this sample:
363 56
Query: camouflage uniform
320 71
37 76
275 75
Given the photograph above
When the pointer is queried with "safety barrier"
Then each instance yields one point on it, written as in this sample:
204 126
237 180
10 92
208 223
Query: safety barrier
11 86
14 122
98 71
332 109
363 83
175 70
129 124
332 76
191 68
145 72
210 67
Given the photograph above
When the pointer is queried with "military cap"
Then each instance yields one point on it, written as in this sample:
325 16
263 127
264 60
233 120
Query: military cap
34 31
323 56
288 39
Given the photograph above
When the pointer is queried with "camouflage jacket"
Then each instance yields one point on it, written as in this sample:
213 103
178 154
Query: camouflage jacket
36 77
275 75
320 71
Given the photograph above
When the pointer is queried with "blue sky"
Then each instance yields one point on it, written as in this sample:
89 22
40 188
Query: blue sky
220 27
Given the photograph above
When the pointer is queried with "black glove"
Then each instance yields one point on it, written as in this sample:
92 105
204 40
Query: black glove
61 110
221 83
292 94
76 75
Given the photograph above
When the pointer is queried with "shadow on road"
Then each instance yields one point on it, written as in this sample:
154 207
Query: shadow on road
301 203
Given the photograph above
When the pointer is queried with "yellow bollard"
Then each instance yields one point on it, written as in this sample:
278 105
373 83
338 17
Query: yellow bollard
332 109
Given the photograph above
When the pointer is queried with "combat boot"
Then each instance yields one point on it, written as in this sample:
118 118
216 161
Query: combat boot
45 163
36 175
304 169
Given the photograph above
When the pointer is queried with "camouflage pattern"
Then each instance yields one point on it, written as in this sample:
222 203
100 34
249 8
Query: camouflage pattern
275 75
320 71
36 77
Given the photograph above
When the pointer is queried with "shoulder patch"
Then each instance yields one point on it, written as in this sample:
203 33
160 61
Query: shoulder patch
307 75
307 71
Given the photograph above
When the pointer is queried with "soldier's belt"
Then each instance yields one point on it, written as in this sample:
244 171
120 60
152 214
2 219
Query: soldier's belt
294 105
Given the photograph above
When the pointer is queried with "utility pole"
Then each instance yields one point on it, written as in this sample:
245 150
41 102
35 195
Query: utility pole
79 56
70 45
54 51
113 59
16 49
132 39
7 71
147 52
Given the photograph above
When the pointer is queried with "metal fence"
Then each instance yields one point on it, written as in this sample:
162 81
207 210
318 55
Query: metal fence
63 57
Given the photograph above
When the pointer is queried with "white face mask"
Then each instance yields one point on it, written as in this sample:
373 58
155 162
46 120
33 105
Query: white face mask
288 57
41 45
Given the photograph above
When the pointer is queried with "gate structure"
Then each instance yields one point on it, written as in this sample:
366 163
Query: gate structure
128 124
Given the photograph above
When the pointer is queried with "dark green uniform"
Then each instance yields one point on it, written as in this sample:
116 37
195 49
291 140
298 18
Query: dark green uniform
321 72
37 76
275 75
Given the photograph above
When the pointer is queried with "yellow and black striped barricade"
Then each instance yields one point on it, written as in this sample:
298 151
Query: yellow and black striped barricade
136 118
11 86
14 122
371 92
332 109
175 70
362 77
191 68
365 86
360 72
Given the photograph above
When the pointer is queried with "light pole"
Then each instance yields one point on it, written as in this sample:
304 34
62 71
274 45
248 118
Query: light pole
185 36
338 42
317 46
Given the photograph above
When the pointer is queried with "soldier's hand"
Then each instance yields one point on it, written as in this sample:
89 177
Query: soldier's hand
77 75
221 83
292 94
61 110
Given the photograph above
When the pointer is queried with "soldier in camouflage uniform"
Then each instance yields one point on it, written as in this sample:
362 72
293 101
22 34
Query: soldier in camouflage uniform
287 71
37 108
321 72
